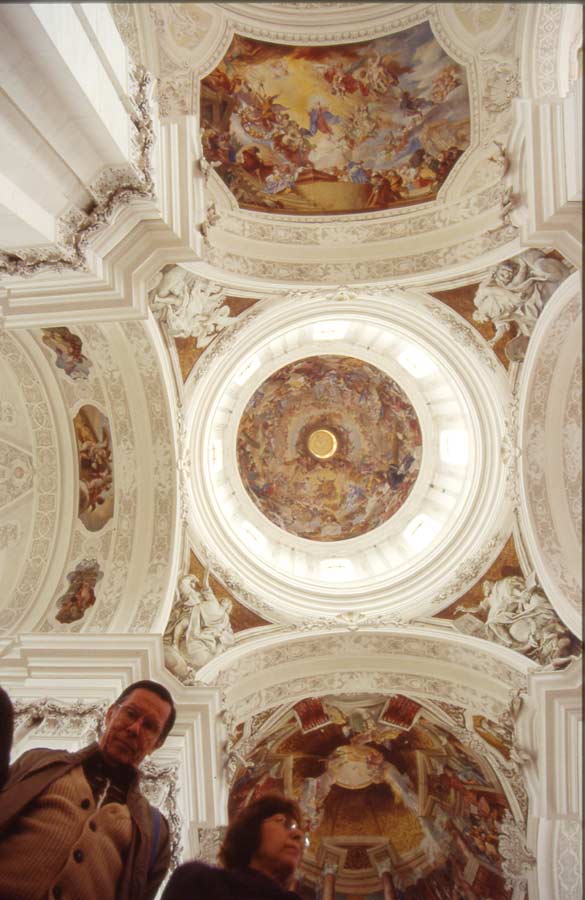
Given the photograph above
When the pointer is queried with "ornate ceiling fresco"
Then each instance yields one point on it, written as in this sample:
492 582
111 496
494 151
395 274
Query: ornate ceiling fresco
290 419
384 781
329 448
330 142
337 129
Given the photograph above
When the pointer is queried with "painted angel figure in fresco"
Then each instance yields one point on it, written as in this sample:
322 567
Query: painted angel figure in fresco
516 291
68 347
189 306
320 119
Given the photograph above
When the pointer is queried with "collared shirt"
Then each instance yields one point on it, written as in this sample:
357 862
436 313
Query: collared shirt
109 784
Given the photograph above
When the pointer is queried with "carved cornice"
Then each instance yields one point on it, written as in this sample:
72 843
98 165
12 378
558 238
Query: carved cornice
115 186
364 270
367 228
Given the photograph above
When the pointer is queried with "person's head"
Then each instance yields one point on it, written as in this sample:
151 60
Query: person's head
137 723
268 836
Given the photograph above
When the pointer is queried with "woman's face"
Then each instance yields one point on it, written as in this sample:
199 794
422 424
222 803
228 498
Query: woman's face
281 846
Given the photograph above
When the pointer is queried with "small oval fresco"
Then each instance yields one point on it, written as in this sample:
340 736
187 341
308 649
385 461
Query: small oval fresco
68 349
337 129
374 431
80 595
96 475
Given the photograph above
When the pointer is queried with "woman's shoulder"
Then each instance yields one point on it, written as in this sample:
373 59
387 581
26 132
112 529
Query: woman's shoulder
194 876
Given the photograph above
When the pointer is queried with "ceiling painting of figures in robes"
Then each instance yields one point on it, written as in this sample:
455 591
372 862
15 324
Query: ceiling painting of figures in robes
337 129
382 780
80 595
68 349
96 476
329 447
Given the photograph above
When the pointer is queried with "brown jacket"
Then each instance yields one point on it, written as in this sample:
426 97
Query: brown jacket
37 769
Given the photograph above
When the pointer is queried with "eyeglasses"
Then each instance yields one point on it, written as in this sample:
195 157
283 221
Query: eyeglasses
291 825
130 715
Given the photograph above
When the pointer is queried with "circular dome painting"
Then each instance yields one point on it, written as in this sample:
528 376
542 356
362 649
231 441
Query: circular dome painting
329 447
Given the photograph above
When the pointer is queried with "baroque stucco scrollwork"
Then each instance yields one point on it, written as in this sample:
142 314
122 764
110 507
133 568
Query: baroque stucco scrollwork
189 306
78 719
160 785
43 478
209 843
517 859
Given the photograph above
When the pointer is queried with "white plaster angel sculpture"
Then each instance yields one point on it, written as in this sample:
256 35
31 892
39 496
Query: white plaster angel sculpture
190 306
516 291
199 630
519 616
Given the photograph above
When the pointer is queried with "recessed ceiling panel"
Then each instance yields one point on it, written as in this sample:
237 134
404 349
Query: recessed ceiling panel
342 128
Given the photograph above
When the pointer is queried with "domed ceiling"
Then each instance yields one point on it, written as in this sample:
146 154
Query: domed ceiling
335 129
329 447
336 446
272 421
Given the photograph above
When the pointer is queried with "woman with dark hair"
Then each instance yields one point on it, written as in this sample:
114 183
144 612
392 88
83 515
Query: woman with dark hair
260 852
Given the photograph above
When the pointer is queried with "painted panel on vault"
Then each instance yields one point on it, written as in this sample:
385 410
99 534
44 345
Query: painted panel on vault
337 129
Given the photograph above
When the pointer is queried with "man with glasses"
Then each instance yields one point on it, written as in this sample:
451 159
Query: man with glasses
74 826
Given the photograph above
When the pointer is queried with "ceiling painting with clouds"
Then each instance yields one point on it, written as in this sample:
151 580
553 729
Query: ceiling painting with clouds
329 447
382 778
335 129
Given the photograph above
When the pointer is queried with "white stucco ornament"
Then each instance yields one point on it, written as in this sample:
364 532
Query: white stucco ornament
190 306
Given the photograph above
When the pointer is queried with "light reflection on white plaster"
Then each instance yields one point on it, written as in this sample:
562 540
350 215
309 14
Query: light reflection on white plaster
454 447
336 569
416 362
247 370
216 456
329 331
421 531
253 538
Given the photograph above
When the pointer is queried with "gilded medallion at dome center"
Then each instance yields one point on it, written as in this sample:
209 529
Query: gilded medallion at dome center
322 443
329 447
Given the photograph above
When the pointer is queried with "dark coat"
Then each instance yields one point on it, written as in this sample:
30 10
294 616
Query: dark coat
6 729
196 880
35 770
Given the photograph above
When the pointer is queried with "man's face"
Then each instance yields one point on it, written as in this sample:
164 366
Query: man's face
133 729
